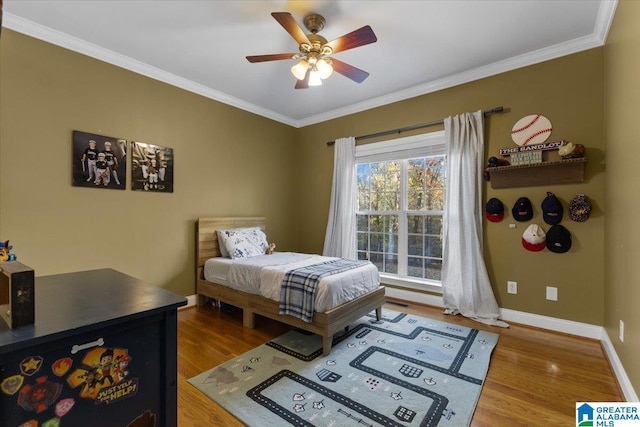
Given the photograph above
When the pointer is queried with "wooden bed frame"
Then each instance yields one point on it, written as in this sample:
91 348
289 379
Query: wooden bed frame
324 324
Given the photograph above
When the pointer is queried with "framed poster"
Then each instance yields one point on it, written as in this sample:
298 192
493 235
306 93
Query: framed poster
99 161
151 168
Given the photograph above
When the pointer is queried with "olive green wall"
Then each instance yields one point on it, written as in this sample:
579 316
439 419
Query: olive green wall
569 91
228 162
622 245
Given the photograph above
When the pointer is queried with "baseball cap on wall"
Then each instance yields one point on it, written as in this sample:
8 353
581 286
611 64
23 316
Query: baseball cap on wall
551 209
534 238
494 210
579 208
522 210
558 239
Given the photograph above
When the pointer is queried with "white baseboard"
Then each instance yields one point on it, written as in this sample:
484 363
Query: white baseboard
191 302
625 384
529 319
545 322
403 294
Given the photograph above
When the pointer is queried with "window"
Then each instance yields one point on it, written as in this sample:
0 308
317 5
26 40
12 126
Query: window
401 190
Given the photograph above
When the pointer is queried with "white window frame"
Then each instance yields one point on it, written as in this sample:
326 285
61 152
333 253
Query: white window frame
424 145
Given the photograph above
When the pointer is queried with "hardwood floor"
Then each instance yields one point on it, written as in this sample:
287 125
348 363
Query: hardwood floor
535 376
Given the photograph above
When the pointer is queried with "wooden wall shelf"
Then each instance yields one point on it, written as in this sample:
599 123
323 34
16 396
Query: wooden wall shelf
546 173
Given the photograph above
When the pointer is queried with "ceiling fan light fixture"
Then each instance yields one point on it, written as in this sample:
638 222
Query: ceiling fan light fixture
314 78
314 55
300 69
324 68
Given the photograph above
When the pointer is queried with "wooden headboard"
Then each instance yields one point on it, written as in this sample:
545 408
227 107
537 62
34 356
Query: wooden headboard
207 239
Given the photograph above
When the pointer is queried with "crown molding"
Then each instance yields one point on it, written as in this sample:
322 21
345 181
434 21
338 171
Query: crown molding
596 39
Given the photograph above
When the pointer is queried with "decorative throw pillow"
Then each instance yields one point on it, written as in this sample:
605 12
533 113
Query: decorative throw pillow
244 242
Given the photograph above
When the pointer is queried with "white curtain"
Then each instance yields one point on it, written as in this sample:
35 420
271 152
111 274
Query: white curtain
340 239
465 282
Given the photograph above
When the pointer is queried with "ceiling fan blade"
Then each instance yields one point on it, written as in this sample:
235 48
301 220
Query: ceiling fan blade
289 23
359 37
304 84
274 57
355 74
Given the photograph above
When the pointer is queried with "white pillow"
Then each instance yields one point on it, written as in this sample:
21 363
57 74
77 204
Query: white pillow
221 246
243 242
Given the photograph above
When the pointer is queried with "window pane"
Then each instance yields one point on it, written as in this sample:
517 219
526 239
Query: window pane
391 264
376 223
434 224
434 200
362 222
377 260
392 178
363 170
363 242
391 223
415 244
433 269
415 200
415 224
391 243
377 241
364 200
415 267
392 201
435 172
433 246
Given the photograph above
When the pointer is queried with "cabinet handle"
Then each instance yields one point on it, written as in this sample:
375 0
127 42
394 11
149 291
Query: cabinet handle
76 348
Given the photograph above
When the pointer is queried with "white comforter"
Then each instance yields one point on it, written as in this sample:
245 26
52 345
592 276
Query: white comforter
262 275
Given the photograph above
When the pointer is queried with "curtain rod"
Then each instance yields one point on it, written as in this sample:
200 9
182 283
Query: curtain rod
414 127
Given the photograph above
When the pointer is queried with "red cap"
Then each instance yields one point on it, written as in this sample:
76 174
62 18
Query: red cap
495 217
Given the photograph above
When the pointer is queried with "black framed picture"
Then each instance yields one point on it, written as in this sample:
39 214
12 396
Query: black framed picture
99 161
151 168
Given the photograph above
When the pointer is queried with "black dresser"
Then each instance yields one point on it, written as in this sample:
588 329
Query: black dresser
102 352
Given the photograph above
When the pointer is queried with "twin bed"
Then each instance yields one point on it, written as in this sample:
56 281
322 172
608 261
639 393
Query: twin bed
340 300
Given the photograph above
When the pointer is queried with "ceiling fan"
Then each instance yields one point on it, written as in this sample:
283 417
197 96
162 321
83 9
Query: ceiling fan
314 50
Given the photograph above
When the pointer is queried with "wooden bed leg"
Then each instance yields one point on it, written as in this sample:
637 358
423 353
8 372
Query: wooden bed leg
201 300
326 345
379 314
248 318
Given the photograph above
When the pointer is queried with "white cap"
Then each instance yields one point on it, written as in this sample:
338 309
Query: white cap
534 238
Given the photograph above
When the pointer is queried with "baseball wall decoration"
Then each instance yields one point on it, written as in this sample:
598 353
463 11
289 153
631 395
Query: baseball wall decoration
533 129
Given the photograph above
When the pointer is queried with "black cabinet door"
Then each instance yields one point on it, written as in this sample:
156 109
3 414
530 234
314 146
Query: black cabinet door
111 377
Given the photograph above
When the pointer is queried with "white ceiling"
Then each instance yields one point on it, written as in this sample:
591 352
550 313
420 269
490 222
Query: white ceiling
422 46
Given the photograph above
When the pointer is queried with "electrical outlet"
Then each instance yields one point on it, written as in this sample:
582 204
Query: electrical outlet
621 334
552 293
512 287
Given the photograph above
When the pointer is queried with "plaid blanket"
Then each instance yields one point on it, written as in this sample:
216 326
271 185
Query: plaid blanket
297 294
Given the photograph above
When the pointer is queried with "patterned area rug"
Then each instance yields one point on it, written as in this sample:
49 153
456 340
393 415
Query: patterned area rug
406 370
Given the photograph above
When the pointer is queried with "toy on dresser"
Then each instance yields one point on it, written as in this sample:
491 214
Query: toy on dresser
4 252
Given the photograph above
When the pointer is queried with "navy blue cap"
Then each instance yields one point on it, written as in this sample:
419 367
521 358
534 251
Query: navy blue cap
494 210
522 210
551 209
